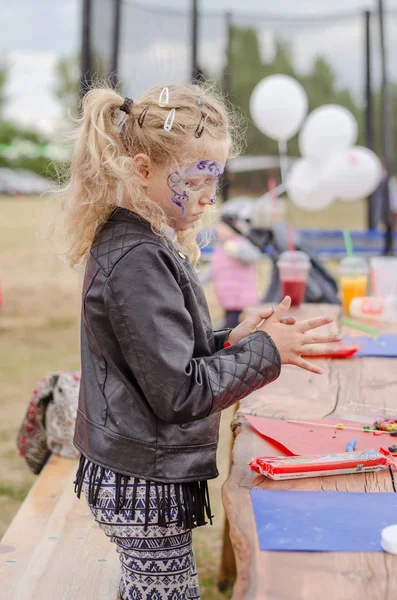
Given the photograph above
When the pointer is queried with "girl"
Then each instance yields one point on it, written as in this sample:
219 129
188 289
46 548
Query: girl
155 376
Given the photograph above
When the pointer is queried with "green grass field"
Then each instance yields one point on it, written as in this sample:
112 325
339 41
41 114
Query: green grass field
39 333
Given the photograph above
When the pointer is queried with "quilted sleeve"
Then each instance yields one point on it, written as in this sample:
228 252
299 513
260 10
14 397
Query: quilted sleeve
221 336
154 329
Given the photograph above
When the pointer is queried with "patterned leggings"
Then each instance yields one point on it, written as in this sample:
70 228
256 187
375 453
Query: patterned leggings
157 563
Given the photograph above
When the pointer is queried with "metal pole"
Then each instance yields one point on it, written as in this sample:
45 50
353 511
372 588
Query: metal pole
194 61
228 66
114 79
386 132
85 75
369 113
227 79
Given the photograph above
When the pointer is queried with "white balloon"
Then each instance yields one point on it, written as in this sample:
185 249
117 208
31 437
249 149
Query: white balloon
305 186
327 130
353 173
278 106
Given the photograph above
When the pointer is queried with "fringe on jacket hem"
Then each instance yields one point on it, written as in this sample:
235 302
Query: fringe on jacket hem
193 499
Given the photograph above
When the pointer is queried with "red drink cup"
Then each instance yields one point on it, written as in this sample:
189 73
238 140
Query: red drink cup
294 289
293 271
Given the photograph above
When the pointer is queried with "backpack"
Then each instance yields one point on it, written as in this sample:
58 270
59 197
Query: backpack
48 425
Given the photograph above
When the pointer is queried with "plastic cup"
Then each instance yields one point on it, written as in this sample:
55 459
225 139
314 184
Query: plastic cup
293 270
383 275
353 272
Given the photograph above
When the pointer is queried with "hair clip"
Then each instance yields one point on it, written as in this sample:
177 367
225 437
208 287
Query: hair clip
142 116
163 101
200 127
127 105
169 120
198 101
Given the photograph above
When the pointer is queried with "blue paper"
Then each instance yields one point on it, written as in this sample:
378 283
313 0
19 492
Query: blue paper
384 346
322 521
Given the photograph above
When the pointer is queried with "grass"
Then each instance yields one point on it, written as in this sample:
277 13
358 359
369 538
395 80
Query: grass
39 333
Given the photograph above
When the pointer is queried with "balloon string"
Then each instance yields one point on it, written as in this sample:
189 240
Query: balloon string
271 184
282 150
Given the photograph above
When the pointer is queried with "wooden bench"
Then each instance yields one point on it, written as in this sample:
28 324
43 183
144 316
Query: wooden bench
53 549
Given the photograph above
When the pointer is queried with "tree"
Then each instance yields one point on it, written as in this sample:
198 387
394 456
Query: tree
67 74
321 88
4 73
377 103
247 69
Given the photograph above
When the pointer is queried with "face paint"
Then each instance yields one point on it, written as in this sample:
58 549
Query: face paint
205 167
179 183
176 183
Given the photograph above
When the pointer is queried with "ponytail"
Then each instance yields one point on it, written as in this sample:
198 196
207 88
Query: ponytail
102 174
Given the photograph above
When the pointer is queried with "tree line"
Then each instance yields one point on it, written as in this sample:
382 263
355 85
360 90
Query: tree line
246 68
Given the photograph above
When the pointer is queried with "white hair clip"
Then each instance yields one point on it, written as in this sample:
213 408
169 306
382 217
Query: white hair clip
169 120
164 97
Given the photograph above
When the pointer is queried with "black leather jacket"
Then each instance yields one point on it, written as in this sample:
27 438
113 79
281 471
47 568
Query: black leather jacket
155 375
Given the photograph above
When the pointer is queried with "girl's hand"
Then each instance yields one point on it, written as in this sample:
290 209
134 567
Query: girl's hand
296 340
256 322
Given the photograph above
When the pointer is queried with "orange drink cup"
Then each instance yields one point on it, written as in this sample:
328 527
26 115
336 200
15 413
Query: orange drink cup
352 287
353 280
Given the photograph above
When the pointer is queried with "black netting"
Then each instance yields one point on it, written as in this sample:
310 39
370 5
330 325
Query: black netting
155 43
325 53
154 47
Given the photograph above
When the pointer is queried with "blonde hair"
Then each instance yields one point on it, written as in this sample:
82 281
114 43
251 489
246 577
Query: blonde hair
101 171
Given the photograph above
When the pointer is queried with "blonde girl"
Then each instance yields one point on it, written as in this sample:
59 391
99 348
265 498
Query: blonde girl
155 376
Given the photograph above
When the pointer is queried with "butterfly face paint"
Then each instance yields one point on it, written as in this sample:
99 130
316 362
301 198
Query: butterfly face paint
195 178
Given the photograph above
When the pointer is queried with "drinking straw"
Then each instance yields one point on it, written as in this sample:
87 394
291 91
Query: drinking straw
348 243
360 326
290 235
349 249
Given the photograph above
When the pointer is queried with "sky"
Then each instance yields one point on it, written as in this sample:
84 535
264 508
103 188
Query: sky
36 34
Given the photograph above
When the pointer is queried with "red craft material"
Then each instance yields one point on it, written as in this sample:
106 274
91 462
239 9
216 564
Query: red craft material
308 440
339 352
299 467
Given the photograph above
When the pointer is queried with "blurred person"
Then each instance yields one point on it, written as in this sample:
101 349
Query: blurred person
155 376
234 273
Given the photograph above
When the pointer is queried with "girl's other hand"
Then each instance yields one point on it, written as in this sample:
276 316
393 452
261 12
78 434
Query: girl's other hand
256 322
298 339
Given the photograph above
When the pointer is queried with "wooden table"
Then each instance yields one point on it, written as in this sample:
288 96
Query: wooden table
298 394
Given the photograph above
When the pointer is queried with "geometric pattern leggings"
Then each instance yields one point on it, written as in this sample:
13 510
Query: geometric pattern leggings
157 563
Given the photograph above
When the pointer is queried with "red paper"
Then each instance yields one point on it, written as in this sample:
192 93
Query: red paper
296 439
